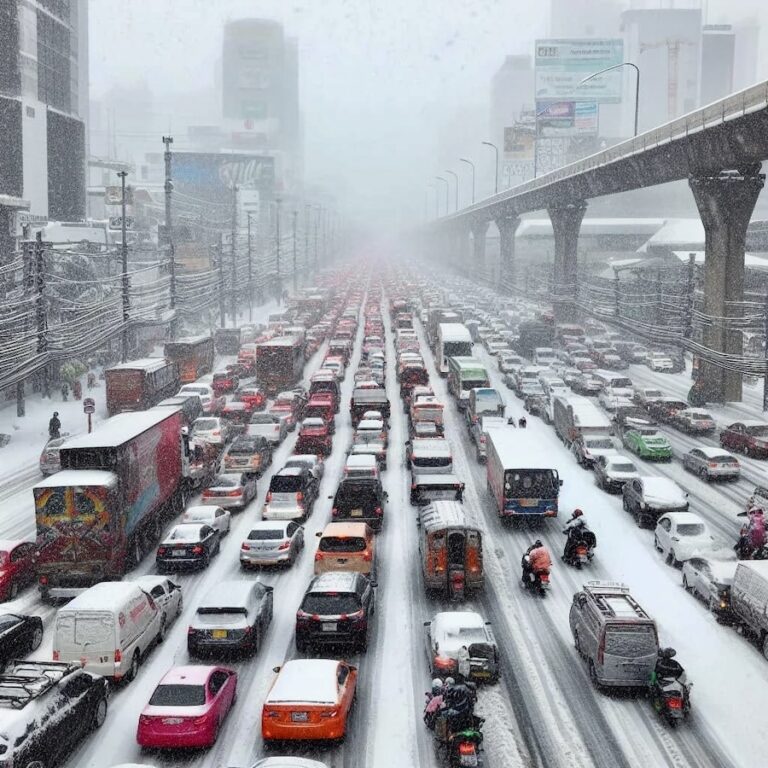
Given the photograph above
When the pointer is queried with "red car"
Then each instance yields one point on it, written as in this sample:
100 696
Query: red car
187 708
322 406
15 567
314 437
251 396
225 382
749 437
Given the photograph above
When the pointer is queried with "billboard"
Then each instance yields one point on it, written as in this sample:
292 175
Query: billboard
518 143
212 175
562 64
566 118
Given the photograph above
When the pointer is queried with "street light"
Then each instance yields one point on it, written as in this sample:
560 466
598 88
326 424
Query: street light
637 82
496 149
447 186
456 179
470 163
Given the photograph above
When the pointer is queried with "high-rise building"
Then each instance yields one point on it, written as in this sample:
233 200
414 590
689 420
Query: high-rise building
584 18
43 108
718 47
260 92
666 44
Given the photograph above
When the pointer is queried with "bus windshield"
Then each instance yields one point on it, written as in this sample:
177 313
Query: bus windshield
531 484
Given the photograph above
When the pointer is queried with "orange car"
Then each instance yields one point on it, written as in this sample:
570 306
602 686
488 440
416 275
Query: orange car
346 547
310 700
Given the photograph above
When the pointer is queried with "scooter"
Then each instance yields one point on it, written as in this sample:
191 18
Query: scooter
670 691
536 581
582 551
464 747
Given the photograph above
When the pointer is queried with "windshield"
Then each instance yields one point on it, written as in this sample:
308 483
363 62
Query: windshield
342 544
178 696
286 483
531 483
330 604
205 425
599 443
758 431
691 529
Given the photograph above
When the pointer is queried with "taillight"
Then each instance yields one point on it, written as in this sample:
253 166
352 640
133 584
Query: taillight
197 550
466 748
284 546
302 615
335 512
299 496
444 662
332 713
269 497
233 494
712 465
368 556
674 701
161 550
216 432
118 655
245 546
144 719
318 555
601 650
55 655
378 511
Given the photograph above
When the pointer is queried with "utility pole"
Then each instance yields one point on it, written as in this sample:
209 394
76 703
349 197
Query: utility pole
250 272
40 313
278 203
690 296
168 140
765 343
306 236
318 209
218 254
295 268
124 253
234 256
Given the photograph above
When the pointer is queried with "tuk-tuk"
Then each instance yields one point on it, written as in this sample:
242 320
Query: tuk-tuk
450 550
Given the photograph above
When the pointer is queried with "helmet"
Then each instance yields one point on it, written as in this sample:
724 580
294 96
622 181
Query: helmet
577 513
437 685
667 653
537 544
55 413
449 681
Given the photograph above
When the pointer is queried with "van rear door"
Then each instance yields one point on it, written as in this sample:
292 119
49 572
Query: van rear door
627 654
89 636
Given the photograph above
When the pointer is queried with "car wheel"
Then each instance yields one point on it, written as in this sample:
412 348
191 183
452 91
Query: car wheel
577 642
13 590
163 630
36 639
656 543
593 675
703 474
765 645
180 606
99 714
36 764
134 669
686 585
675 563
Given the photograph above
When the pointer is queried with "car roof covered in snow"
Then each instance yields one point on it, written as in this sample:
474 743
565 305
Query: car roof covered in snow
311 681
82 477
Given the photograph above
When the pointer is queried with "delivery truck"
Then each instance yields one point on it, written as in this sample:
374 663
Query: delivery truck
279 363
575 416
105 509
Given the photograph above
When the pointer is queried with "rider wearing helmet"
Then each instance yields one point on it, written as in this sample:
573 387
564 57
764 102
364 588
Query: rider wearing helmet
435 703
574 530
535 560
666 666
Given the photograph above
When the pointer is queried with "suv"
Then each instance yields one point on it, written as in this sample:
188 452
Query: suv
647 498
249 454
360 500
337 608
292 494
47 707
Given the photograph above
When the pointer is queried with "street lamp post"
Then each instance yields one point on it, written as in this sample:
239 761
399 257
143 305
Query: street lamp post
456 180
496 149
637 83
295 268
447 189
234 255
124 253
250 270
278 202
307 206
472 166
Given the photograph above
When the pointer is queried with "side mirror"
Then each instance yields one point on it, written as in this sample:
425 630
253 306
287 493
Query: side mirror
427 623
276 669
331 498
319 534
561 483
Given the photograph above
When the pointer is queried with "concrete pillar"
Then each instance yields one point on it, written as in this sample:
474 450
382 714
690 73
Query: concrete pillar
479 231
566 222
725 204
507 228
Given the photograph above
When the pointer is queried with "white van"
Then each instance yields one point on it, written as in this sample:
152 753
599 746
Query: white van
110 628
615 384
544 356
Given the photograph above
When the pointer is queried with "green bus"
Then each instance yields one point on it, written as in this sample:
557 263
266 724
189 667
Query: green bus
465 373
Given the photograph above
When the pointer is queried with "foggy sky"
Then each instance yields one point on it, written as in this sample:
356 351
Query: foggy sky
381 81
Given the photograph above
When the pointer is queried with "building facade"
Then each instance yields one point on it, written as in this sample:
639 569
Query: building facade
43 106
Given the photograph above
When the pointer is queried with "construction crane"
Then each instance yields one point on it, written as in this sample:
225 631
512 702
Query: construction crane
673 59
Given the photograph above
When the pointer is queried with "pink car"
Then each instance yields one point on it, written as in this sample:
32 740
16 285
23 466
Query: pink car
188 707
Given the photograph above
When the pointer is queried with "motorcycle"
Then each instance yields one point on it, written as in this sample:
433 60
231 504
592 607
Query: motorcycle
670 693
537 581
458 743
582 549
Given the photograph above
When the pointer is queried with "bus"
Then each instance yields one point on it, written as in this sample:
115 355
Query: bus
193 355
453 340
465 373
279 363
140 384
521 475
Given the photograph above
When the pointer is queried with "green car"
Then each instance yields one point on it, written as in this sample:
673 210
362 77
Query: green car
648 443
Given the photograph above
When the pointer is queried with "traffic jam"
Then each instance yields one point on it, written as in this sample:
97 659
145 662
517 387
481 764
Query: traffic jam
396 523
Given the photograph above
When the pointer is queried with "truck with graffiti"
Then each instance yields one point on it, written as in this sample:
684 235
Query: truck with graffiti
99 515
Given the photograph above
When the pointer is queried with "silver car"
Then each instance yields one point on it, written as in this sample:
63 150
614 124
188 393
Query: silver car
711 463
49 458
272 542
268 425
230 490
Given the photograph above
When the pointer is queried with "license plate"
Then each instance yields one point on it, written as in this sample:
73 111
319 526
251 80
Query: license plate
179 552
219 634
342 560
481 673
329 626
356 513
299 717
528 502
172 720
437 495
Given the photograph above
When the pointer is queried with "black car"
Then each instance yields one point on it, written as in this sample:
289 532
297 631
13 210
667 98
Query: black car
47 707
337 608
360 500
188 545
19 635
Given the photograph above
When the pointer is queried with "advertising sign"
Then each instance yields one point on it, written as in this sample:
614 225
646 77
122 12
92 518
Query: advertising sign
114 195
518 143
562 64
566 118
212 175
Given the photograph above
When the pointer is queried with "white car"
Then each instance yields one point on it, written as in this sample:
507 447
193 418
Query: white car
645 395
660 361
216 517
311 461
710 578
210 429
613 471
611 402
166 593
679 536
